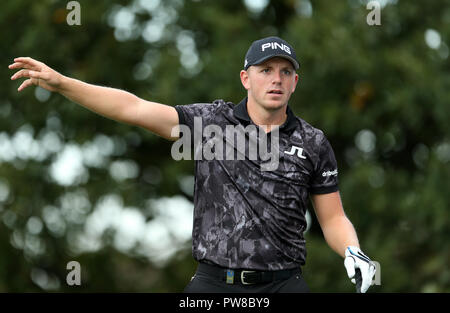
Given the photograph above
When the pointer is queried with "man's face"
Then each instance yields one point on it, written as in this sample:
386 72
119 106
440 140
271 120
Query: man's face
270 84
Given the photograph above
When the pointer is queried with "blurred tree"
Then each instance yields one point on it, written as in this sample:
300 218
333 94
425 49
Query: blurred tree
380 93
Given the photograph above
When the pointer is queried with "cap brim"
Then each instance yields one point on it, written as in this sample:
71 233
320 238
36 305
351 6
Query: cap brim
293 61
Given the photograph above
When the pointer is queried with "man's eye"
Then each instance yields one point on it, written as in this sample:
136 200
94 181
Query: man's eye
287 72
266 70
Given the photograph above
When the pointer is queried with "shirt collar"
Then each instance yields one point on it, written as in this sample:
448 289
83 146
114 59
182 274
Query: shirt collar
240 112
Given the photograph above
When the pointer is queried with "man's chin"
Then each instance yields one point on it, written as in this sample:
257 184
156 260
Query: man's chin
274 105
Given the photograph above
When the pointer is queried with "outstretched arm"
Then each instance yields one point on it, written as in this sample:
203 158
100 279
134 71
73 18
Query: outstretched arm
113 103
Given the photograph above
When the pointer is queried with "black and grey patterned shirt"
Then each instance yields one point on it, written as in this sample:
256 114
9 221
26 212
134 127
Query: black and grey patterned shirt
248 218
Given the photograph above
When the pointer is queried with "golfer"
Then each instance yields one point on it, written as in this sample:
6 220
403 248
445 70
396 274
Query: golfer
248 222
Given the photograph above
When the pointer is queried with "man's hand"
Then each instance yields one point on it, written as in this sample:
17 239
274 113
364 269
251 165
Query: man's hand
115 104
357 263
37 73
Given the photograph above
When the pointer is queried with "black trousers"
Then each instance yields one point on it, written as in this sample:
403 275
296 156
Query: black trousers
203 282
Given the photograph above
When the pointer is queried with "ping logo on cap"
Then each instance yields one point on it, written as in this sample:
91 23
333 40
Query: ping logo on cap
275 45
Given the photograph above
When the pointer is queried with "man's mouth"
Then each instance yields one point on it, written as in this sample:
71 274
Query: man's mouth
275 91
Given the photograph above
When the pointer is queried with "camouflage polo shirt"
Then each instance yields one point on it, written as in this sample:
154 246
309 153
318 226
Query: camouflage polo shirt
248 218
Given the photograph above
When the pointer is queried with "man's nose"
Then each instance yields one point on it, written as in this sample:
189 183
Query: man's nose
276 78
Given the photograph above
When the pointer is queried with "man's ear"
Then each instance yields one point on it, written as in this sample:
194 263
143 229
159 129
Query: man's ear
296 81
244 79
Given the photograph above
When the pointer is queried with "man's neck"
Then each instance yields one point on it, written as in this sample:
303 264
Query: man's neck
268 119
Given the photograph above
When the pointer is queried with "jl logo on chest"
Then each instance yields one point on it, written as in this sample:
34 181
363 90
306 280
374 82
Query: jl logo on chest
294 150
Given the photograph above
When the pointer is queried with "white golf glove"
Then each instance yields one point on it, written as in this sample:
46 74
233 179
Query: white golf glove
360 268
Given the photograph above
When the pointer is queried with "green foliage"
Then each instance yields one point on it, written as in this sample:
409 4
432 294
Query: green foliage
380 93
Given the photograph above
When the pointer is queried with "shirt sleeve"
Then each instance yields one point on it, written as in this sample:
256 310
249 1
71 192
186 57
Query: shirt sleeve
195 117
187 113
325 177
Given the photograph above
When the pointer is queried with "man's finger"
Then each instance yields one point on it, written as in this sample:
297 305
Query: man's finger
358 279
19 74
26 73
367 273
349 264
30 61
24 59
16 65
25 84
22 65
